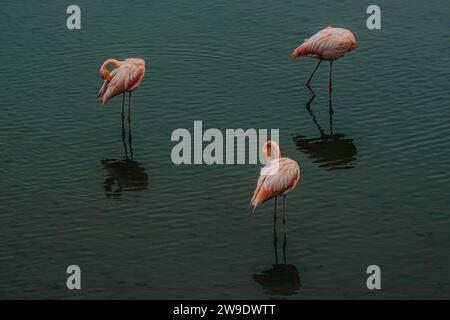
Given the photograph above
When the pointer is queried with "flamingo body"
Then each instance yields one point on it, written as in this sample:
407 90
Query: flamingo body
277 178
328 44
126 77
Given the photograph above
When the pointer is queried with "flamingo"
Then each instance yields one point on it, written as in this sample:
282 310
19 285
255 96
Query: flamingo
277 178
126 77
328 44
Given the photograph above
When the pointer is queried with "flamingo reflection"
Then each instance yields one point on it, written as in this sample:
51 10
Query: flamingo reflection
331 151
124 174
282 279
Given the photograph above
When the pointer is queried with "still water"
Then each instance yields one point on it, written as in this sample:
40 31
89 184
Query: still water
375 173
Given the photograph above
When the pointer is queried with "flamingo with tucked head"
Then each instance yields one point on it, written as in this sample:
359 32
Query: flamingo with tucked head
277 178
328 44
126 77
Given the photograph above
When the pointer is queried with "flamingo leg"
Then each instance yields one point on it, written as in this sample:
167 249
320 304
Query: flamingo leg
330 86
331 112
129 126
284 247
275 215
123 128
129 109
123 104
308 82
130 141
275 246
284 211
123 140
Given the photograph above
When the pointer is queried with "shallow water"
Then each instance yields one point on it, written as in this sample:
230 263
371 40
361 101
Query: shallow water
374 185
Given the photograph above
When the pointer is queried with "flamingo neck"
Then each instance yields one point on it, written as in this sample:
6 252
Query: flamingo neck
272 151
104 72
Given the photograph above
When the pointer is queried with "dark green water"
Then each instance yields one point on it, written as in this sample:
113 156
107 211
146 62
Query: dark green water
150 229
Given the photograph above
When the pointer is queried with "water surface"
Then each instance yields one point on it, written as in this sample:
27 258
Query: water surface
374 185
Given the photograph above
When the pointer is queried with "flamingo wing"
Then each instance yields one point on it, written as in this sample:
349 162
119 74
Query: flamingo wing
329 44
333 43
125 78
104 87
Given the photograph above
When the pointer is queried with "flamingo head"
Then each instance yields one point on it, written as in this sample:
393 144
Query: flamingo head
105 74
271 150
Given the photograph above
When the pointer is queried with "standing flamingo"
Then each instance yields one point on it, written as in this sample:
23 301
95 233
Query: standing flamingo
278 178
328 44
126 77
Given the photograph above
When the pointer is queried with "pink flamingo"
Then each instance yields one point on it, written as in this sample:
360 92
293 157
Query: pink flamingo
126 77
328 44
277 178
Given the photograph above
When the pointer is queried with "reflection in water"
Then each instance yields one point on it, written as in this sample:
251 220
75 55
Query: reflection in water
282 279
331 151
125 174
